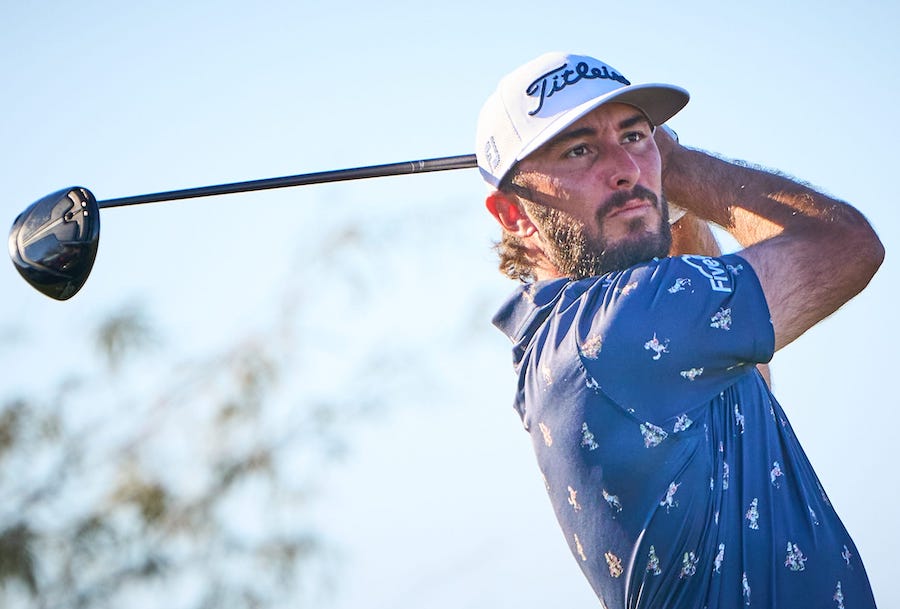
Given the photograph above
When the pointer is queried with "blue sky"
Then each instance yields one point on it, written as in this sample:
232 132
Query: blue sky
127 98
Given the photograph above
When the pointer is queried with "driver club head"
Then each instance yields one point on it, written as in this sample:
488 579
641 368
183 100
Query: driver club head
53 243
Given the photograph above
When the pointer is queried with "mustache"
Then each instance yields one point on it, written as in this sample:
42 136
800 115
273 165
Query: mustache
620 198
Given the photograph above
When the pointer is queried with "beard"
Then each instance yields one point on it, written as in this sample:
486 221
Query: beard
578 256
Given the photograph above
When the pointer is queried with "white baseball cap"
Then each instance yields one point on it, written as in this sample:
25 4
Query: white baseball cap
541 98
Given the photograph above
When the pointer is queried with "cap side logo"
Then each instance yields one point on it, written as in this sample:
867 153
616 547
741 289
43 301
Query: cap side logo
558 79
491 153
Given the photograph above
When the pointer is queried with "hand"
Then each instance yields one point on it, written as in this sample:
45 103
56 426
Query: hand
666 142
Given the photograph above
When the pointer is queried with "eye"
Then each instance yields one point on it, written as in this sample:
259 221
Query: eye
576 151
633 136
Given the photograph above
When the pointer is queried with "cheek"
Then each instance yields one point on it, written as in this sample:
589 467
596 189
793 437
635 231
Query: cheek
651 172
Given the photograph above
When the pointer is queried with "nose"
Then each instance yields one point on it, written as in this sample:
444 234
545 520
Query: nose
622 170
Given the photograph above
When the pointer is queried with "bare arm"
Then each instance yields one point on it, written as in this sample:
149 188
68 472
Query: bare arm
691 235
812 253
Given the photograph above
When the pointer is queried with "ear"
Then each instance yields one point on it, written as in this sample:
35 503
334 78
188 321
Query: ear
509 214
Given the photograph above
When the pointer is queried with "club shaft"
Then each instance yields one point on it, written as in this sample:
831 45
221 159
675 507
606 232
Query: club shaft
465 161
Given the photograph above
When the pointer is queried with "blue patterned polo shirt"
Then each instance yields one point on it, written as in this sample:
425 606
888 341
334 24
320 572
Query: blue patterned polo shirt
674 473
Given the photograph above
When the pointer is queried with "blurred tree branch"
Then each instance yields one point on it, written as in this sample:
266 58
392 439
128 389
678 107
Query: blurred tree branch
195 493
134 479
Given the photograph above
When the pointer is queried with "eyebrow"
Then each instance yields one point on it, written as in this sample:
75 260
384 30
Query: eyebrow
575 134
634 120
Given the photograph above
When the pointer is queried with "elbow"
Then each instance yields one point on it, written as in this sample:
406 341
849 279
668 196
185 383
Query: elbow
873 250
855 249
875 256
867 251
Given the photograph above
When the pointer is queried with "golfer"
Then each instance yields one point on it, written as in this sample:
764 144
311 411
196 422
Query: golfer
673 471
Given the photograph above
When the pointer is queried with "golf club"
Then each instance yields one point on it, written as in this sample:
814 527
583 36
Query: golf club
53 243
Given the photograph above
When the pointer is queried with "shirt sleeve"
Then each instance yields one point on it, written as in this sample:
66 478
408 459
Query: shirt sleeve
674 331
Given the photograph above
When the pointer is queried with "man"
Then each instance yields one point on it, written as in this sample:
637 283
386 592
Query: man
673 472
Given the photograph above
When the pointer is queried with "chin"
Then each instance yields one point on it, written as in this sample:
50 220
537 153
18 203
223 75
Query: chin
634 252
624 253
642 243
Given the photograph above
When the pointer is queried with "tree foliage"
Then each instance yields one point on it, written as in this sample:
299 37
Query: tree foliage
141 475
135 480
197 492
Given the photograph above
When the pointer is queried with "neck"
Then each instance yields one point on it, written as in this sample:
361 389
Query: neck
544 269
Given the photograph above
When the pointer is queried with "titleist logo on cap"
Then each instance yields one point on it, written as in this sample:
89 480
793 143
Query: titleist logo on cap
558 79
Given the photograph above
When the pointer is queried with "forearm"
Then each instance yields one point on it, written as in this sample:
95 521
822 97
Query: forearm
811 252
751 204
691 235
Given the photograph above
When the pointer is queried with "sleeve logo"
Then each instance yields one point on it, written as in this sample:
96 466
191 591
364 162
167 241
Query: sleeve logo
713 270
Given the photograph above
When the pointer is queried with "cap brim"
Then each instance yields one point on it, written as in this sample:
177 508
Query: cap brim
659 102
